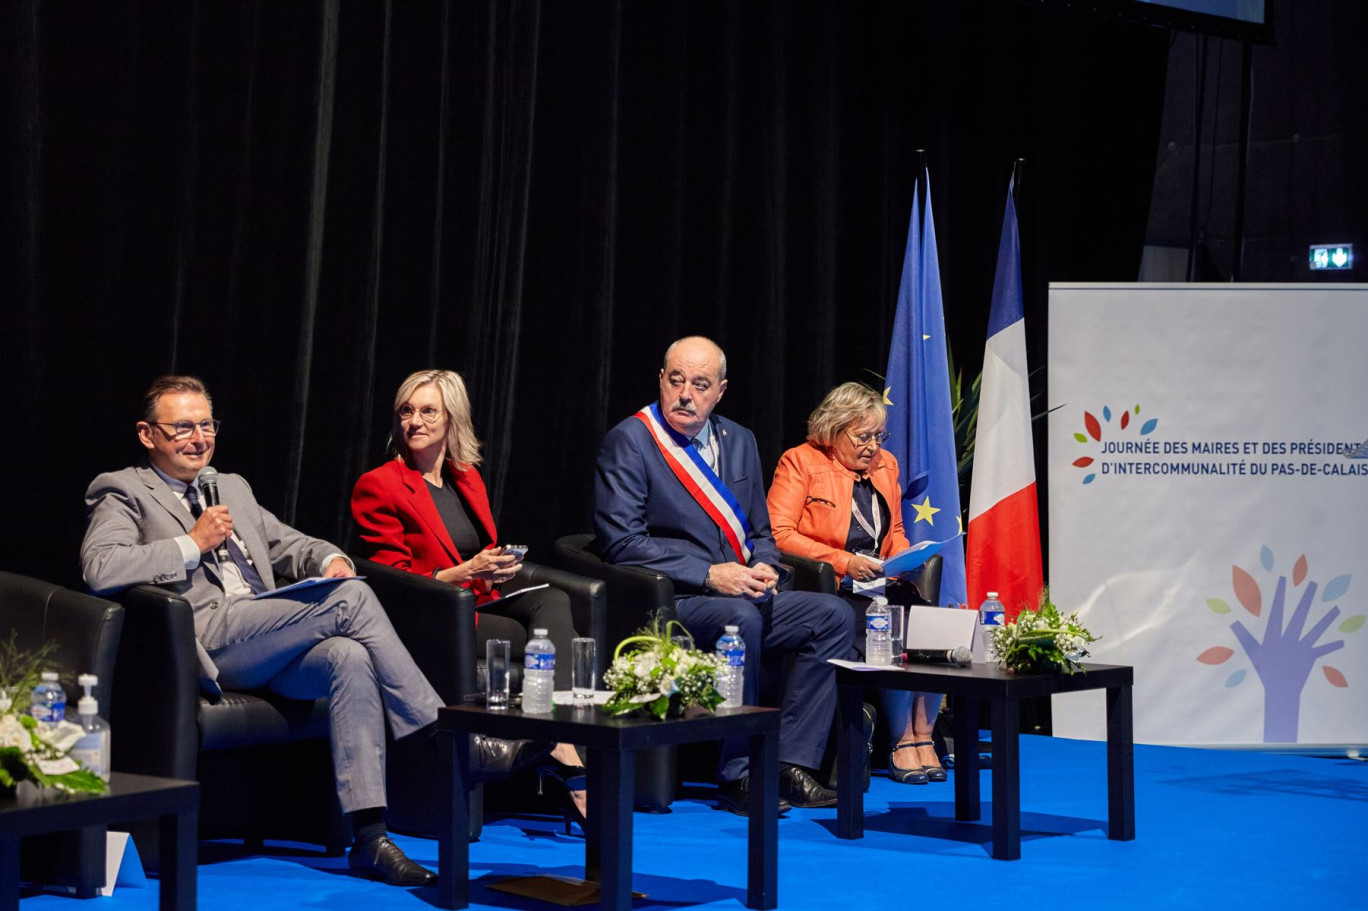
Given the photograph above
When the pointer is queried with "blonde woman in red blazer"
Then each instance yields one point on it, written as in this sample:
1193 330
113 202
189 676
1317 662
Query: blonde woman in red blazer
815 513
427 511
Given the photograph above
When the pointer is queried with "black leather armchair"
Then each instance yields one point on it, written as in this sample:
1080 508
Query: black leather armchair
262 761
809 575
818 576
588 611
923 589
634 596
85 631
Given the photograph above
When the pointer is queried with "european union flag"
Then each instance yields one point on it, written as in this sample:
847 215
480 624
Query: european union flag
920 425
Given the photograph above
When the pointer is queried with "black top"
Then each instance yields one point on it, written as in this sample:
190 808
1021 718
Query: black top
867 499
468 536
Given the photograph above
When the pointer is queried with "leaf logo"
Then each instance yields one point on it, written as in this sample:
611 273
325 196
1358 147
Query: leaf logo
1289 646
1093 431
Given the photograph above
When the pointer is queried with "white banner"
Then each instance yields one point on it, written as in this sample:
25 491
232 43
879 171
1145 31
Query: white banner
1203 518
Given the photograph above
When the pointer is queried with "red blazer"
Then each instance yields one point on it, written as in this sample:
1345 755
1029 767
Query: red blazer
809 505
399 524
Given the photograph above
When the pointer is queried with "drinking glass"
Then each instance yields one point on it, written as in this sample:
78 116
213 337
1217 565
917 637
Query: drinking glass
583 669
897 632
496 672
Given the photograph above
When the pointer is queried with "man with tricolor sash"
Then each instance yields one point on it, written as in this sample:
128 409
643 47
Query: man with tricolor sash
680 490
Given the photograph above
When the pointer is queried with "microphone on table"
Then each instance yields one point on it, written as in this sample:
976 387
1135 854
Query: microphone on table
208 484
957 656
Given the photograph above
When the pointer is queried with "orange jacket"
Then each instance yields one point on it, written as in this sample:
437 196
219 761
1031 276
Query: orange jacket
809 504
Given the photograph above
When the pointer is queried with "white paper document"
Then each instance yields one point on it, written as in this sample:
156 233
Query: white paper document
302 584
859 665
505 596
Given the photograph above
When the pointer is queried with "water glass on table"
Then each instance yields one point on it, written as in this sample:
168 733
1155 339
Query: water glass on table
497 653
583 669
897 632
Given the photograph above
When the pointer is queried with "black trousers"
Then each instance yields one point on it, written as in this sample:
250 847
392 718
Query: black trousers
514 620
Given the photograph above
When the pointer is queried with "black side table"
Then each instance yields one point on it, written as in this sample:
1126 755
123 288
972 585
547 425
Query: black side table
967 688
131 797
611 767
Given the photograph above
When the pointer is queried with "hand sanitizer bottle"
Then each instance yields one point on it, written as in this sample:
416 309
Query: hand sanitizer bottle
92 750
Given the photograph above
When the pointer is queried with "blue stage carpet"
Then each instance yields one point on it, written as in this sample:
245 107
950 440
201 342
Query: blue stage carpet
1214 829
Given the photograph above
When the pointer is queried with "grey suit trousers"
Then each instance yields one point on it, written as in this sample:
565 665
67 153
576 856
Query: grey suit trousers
335 641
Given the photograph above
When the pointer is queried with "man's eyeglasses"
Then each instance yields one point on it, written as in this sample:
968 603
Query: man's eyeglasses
864 439
184 430
427 413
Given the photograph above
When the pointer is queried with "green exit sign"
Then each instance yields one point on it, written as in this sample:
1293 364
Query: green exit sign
1332 256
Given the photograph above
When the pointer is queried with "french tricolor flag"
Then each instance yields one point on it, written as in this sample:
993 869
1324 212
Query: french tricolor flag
1003 547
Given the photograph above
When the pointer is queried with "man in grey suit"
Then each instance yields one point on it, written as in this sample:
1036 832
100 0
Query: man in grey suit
150 524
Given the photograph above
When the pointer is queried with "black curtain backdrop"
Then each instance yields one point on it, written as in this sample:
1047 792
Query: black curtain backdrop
303 202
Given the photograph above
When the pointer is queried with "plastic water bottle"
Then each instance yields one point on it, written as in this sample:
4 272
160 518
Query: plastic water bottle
92 750
48 703
731 677
539 674
990 614
878 632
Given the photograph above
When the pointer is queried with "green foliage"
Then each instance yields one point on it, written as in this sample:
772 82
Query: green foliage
651 671
1042 640
24 748
20 671
964 409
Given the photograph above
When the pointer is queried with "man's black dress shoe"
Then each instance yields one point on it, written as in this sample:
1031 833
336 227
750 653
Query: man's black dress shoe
798 786
492 758
734 797
381 859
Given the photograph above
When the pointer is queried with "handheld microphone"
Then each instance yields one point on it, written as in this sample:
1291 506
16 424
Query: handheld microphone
959 656
208 484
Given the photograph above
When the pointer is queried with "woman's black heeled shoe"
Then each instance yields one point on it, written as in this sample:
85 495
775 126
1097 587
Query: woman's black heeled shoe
914 775
571 778
933 772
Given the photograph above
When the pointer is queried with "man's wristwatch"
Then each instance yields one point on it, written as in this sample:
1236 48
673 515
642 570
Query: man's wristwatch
707 580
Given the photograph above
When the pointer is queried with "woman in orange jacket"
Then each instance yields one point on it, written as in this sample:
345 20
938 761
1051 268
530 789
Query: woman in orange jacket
837 498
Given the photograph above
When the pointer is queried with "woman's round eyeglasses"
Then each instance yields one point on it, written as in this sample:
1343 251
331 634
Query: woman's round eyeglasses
427 413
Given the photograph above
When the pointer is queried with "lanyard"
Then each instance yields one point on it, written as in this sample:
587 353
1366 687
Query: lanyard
871 530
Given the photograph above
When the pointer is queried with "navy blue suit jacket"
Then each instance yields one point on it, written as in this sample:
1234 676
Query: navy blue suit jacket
643 516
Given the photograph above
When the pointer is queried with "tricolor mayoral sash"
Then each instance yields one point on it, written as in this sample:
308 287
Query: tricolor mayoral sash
700 481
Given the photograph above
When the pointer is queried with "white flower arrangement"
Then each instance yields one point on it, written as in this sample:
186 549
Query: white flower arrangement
1042 640
30 751
651 671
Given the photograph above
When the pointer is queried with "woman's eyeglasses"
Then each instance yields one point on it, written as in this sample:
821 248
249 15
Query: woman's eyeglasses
427 413
864 439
